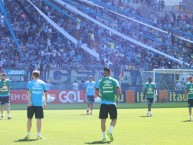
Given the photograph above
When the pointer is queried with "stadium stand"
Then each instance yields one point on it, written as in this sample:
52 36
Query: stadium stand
45 48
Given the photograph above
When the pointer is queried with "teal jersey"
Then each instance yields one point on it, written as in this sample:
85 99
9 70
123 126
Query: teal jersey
107 87
150 89
189 88
5 88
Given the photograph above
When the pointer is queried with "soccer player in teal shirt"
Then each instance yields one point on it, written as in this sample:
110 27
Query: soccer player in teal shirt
5 85
106 88
189 95
36 89
150 92
90 92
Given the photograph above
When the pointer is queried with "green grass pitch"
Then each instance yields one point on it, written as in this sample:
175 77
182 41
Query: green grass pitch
68 125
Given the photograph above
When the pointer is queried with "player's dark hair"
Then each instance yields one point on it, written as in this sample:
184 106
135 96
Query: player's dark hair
36 73
3 74
107 69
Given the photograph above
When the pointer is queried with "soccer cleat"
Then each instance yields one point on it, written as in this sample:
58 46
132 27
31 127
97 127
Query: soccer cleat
27 137
110 135
149 114
104 140
91 113
2 117
190 118
9 117
40 137
87 111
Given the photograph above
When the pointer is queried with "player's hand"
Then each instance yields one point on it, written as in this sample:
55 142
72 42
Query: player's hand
29 104
45 104
144 99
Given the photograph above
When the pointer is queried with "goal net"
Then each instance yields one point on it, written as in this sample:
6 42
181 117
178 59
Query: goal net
168 79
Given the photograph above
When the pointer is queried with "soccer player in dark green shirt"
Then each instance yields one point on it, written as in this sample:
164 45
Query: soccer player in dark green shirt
149 92
106 88
189 95
5 95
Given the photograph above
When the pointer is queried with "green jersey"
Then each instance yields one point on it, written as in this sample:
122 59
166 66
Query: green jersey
189 88
107 86
150 89
4 88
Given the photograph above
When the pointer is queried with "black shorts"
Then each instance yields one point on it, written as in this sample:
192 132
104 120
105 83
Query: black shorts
90 99
190 103
4 100
106 109
38 110
150 100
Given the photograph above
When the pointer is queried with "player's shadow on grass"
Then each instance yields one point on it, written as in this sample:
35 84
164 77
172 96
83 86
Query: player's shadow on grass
145 116
186 121
25 140
98 142
85 114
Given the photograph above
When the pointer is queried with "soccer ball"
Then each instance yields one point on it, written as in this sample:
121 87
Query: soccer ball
97 100
50 99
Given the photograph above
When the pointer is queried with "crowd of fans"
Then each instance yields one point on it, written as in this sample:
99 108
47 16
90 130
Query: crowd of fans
45 48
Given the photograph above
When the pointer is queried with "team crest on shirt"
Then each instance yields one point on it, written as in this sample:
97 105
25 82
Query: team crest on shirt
107 83
191 89
150 89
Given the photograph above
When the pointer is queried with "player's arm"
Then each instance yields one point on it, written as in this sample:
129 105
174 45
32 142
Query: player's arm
119 92
85 88
156 92
144 94
45 95
46 98
29 98
97 91
9 86
0 86
118 89
186 93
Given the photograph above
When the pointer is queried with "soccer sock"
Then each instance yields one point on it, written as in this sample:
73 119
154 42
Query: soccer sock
87 110
38 133
28 133
104 134
111 129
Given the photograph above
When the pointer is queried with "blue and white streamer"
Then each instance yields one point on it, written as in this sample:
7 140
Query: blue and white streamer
75 10
10 28
56 26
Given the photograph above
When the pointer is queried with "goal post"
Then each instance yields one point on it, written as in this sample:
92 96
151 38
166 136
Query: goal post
168 78
171 83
